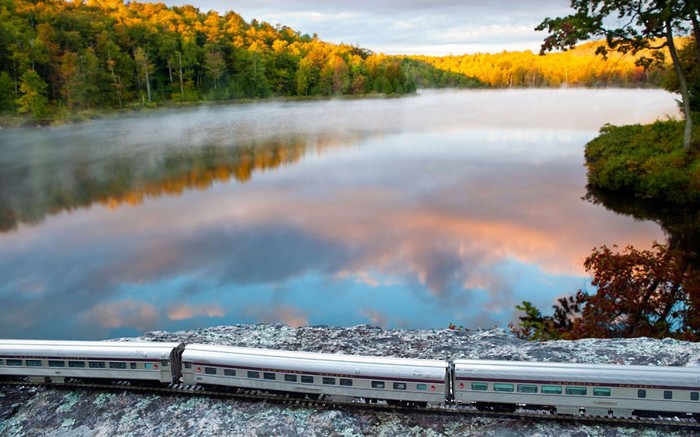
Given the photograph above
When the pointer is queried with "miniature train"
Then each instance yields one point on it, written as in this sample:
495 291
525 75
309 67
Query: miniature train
560 388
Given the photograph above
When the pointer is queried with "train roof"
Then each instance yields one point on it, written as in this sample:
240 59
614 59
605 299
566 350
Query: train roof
313 362
87 349
547 372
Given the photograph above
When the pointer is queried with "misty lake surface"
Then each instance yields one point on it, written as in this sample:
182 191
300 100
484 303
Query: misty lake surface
450 206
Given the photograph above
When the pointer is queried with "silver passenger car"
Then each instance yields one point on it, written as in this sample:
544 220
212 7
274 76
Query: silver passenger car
591 389
56 360
342 377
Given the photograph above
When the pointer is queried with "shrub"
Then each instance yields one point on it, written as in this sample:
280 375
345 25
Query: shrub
646 160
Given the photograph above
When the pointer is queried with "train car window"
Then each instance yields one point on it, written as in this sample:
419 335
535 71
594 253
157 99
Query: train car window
346 382
422 386
210 370
164 363
1 362
481 386
641 393
188 365
498 386
147 365
668 394
133 366
270 376
78 364
55 363
117 365
399 386
229 372
694 396
527 388
11 362
307 379
377 384
329 381
576 391
96 364
598 391
252 374
551 389
290 378
33 363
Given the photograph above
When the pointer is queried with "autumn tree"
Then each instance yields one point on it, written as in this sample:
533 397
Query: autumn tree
215 65
652 293
630 26
335 76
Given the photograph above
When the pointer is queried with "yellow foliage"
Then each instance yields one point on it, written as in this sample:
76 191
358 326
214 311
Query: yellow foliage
578 67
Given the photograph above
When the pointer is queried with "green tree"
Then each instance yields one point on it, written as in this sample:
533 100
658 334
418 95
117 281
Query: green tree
7 92
629 26
33 100
145 68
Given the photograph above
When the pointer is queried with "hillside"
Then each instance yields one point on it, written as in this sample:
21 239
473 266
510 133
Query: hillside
578 67
58 56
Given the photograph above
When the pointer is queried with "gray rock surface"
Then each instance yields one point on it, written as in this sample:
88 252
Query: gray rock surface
42 411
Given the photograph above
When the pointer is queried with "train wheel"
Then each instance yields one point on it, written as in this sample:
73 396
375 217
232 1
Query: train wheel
496 408
417 404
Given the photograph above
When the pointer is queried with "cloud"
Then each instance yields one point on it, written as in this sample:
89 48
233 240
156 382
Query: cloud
123 314
184 312
277 313
365 277
375 317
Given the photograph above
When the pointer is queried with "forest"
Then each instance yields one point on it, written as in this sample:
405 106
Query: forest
578 67
60 58
66 56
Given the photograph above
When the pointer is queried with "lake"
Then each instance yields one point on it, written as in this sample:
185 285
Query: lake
417 212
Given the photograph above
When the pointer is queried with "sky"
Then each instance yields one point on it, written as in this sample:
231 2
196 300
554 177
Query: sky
426 27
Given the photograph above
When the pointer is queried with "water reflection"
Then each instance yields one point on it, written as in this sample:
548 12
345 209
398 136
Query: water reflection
65 183
448 207
681 224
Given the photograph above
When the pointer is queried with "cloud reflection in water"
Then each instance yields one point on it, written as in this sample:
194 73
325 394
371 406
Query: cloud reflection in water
449 207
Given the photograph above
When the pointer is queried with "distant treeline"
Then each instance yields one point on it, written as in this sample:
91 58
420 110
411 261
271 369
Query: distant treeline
59 57
578 67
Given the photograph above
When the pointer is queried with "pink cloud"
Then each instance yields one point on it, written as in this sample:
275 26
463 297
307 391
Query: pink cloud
125 313
184 312
288 315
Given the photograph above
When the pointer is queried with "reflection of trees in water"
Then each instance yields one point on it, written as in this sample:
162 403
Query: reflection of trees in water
681 223
659 291
654 293
119 179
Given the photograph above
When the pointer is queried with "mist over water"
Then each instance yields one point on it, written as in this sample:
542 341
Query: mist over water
450 206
